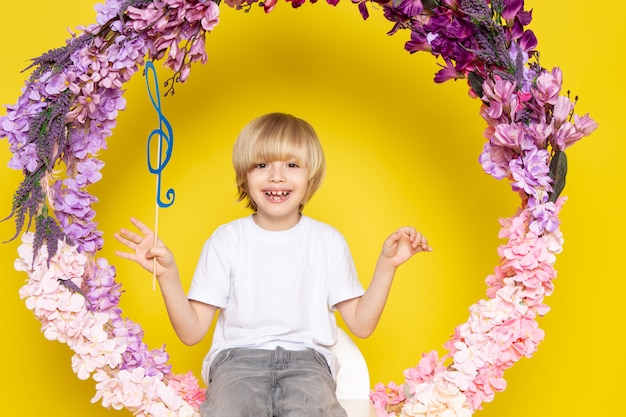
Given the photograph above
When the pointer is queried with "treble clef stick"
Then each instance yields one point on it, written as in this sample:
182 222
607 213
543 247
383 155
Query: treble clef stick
164 133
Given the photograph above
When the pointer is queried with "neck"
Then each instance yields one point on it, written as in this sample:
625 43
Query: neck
276 224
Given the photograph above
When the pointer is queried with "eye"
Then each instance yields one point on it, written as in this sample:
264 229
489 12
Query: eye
261 165
293 165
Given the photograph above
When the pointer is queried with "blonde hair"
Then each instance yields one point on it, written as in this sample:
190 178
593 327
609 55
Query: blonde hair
276 137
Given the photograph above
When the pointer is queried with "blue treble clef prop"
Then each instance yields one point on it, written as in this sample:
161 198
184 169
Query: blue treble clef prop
164 135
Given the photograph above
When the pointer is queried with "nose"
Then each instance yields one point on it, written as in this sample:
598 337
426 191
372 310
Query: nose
276 173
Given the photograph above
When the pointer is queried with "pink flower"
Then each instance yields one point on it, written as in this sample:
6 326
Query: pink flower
127 389
383 396
96 350
187 387
540 132
61 311
501 100
495 281
269 5
548 87
509 135
429 365
197 52
211 16
85 103
561 112
467 359
487 383
585 124
525 254
487 314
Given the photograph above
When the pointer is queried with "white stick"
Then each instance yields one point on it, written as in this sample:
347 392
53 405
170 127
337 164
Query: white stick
156 217
156 239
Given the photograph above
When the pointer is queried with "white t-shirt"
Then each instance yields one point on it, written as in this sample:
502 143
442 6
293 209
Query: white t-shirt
275 288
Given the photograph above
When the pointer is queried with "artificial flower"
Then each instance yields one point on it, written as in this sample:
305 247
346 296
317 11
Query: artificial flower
68 109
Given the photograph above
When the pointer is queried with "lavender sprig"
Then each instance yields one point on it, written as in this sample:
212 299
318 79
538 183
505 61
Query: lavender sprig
27 200
50 131
56 59
47 230
493 50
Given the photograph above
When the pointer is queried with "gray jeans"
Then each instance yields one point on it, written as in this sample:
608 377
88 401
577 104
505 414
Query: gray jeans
271 383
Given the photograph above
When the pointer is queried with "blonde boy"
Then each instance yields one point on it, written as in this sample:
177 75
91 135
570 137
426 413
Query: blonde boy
276 278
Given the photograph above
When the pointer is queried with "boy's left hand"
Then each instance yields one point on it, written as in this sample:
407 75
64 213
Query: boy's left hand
403 244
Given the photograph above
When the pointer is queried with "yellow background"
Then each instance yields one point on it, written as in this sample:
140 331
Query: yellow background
401 150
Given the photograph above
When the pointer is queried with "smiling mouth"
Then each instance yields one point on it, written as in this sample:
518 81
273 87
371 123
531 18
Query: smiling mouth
277 195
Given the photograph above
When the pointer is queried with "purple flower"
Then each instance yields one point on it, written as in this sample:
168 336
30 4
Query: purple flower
104 292
362 4
89 141
448 72
511 9
112 102
544 218
93 241
107 11
410 8
420 41
137 354
75 201
54 84
88 172
73 209
531 174
528 41
126 55
26 159
15 126
495 160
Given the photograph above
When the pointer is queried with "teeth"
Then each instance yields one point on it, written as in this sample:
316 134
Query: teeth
277 193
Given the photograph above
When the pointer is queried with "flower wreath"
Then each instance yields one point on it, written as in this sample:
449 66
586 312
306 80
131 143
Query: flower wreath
69 107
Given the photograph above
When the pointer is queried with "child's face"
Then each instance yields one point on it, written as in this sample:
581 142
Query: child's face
277 188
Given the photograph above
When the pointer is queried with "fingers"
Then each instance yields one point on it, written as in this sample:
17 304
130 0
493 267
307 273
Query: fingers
140 226
421 243
417 240
125 255
138 243
127 238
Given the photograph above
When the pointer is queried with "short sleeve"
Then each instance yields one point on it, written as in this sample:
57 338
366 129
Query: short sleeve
211 279
344 284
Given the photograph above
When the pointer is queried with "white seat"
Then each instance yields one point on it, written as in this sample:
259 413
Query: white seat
353 380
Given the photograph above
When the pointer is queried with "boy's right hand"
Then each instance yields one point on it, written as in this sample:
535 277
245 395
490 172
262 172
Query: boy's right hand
144 250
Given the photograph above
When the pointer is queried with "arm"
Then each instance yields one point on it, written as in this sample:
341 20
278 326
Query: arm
362 314
190 319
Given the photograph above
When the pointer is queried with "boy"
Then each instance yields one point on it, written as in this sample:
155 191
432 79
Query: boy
276 278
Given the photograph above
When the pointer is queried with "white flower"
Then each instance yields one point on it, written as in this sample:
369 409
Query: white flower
438 398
